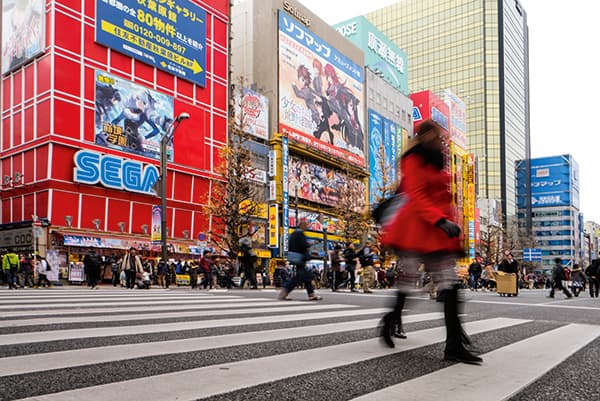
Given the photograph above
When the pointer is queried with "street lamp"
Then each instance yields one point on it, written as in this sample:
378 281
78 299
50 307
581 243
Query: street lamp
163 180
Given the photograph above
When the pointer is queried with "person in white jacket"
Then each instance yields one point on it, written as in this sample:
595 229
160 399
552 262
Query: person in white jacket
42 268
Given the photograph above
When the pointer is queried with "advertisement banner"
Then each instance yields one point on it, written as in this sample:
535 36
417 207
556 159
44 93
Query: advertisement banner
554 182
285 160
254 109
23 32
320 94
130 117
390 129
458 119
320 184
375 153
169 35
155 237
273 226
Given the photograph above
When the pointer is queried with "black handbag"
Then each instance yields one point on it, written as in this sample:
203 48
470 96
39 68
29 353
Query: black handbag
385 210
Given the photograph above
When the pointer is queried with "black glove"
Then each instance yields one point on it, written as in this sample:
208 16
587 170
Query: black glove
450 228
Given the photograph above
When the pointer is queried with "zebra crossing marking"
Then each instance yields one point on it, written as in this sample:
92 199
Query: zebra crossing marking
224 378
89 356
504 370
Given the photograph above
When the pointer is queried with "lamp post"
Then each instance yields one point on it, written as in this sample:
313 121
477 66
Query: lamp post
163 181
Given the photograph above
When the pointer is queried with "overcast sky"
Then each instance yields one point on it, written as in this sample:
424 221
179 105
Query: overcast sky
564 80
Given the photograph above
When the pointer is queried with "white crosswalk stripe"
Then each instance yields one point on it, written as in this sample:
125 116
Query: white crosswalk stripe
68 344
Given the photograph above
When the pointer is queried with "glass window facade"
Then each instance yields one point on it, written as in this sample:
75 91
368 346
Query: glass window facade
478 50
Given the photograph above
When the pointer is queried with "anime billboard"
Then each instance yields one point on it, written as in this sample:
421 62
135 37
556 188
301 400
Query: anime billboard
253 108
320 94
319 184
130 117
23 32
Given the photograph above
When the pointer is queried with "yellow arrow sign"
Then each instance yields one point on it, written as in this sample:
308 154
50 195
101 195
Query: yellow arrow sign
151 47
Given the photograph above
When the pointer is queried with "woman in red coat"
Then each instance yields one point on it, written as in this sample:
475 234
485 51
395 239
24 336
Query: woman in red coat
422 232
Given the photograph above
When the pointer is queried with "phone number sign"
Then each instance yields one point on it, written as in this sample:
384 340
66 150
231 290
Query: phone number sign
168 34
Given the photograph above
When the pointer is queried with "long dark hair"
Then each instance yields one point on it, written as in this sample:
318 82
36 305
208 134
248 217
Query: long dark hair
430 156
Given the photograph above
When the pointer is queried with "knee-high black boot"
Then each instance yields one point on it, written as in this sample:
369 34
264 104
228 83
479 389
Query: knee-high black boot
456 338
392 322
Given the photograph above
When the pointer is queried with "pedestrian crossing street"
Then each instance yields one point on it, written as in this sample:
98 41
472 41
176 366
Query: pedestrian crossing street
73 344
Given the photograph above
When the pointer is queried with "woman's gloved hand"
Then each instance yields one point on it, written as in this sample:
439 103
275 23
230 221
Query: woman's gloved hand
450 228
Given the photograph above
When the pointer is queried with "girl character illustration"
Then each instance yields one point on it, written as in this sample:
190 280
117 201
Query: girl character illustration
305 92
24 36
317 80
139 107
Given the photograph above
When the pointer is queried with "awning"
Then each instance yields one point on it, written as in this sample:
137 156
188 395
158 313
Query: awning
111 241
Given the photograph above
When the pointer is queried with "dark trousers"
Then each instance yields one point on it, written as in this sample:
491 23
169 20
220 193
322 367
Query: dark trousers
301 277
250 275
557 284
115 278
42 278
207 281
352 274
11 277
193 279
594 286
130 278
92 278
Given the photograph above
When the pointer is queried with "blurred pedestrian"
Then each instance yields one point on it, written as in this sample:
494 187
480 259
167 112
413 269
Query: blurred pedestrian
335 258
42 268
558 276
10 266
26 271
92 267
475 269
422 232
593 273
366 257
248 263
351 257
578 280
161 273
206 267
132 265
298 250
510 265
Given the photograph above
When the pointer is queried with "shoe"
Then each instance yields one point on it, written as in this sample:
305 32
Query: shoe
353 290
315 298
462 356
283 296
399 332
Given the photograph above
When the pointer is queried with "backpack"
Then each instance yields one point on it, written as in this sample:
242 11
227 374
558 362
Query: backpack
13 265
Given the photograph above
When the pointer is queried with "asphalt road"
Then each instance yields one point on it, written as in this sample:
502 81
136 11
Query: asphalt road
178 344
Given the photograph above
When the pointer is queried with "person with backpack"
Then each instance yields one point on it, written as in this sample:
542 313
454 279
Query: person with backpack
42 268
592 272
558 275
10 266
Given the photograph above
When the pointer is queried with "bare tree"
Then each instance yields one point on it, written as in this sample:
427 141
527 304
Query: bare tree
353 218
233 198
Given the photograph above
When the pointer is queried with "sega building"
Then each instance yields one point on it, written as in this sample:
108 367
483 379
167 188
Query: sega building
556 220
86 98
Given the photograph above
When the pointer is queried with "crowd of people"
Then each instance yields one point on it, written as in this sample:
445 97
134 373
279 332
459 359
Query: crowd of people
24 270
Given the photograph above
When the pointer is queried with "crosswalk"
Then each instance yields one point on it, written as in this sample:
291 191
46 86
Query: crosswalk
73 344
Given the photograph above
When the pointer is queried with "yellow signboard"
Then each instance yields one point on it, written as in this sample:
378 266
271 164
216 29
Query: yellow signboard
273 226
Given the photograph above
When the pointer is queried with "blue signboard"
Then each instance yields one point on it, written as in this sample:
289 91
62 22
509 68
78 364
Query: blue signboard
554 181
532 254
169 35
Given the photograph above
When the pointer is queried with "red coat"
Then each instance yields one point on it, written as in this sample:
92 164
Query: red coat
428 200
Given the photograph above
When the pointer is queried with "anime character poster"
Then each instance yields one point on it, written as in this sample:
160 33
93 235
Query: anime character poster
252 113
321 94
130 117
23 32
375 156
320 184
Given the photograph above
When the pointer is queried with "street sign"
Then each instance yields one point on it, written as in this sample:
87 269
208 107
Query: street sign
532 254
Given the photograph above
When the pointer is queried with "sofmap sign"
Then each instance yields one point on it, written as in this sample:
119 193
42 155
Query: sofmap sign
114 172
169 35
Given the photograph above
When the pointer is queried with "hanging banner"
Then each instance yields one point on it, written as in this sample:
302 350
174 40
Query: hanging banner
273 226
155 237
169 35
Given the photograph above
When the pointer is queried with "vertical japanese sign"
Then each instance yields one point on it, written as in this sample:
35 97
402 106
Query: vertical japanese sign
321 94
273 226
23 32
285 159
169 35
130 117
155 236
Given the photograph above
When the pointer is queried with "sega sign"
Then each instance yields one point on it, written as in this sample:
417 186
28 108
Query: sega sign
114 172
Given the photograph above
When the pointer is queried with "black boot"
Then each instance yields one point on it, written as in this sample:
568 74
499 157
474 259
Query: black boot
392 322
456 338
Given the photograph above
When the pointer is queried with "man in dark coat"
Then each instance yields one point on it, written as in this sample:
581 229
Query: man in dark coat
91 266
475 270
350 256
248 263
299 244
593 273
558 275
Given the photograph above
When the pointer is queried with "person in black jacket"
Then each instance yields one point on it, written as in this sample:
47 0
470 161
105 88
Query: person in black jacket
299 244
475 270
248 263
350 256
558 275
592 271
